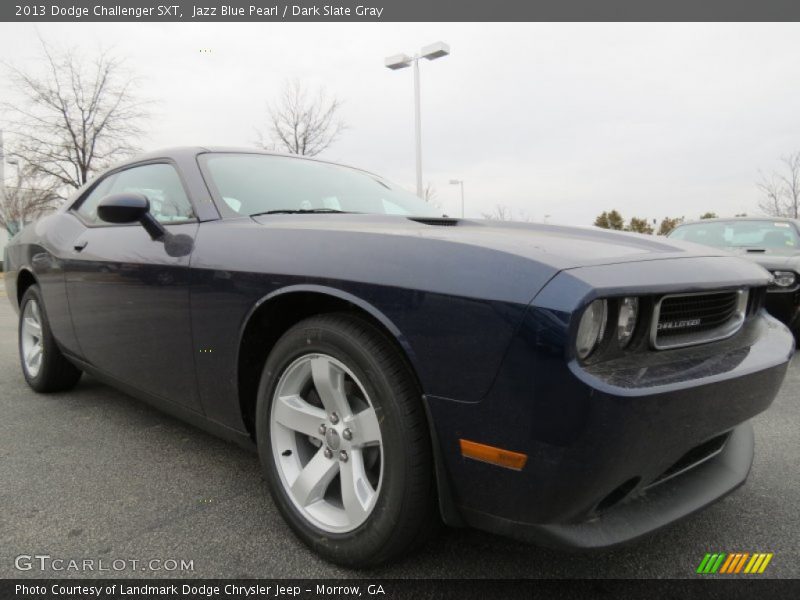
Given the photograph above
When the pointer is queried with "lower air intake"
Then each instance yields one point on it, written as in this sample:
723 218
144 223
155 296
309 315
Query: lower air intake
695 457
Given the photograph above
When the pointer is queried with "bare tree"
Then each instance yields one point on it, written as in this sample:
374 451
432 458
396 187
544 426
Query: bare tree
501 212
29 197
524 217
773 195
429 193
781 189
76 116
302 122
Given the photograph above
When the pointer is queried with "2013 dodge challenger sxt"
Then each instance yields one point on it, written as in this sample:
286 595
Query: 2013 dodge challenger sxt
395 368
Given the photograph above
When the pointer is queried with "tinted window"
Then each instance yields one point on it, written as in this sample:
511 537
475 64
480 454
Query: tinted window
159 182
163 188
740 234
257 183
88 208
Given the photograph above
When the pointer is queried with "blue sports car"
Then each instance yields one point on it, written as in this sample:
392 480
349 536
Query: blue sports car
395 369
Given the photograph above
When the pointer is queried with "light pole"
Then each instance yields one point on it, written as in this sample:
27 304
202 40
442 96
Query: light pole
461 183
401 61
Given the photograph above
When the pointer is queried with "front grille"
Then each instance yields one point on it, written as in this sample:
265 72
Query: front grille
700 313
689 319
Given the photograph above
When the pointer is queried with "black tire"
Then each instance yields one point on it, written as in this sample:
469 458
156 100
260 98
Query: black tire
56 373
405 513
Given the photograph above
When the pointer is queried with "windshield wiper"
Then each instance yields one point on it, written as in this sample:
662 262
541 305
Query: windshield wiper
298 211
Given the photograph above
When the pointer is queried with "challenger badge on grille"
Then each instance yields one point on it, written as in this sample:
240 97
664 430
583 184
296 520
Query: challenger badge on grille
679 324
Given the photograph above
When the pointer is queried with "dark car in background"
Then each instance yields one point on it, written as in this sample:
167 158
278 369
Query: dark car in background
394 368
773 243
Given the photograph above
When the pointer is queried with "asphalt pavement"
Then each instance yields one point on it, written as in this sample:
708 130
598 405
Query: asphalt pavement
96 475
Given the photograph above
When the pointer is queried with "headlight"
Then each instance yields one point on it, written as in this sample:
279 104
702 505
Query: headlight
783 278
626 322
591 328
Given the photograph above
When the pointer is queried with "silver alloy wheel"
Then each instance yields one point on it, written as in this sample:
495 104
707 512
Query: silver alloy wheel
32 346
326 443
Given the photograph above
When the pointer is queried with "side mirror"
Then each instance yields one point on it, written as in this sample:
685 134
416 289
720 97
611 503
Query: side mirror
129 208
123 208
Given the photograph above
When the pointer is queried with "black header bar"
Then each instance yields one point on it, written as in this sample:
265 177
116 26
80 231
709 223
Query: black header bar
271 11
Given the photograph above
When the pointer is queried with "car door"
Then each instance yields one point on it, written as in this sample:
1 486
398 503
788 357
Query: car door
129 294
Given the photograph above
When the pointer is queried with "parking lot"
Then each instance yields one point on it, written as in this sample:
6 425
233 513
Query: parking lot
97 474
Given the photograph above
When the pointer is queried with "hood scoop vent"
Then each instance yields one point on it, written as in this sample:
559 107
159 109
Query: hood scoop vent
436 222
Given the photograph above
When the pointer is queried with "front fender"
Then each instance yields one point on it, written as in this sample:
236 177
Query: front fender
333 292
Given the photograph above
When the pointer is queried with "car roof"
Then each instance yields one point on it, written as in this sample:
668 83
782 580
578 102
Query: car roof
184 151
729 219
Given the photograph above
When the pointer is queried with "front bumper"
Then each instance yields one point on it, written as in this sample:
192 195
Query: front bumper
600 444
658 506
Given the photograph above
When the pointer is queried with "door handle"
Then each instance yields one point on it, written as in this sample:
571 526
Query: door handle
80 245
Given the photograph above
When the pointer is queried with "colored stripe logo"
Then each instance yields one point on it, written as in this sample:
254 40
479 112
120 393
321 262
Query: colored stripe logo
734 562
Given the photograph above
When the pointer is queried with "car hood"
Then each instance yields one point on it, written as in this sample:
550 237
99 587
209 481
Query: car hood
771 258
557 246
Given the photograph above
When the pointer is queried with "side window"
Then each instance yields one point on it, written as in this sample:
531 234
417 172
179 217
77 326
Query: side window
88 208
163 188
159 182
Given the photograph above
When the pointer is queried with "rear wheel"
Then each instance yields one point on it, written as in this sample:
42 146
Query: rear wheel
344 442
43 364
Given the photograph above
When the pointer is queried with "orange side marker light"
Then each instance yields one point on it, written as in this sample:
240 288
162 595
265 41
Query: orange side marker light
493 456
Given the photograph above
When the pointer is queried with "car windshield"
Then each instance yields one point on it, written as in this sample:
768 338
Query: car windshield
740 234
251 184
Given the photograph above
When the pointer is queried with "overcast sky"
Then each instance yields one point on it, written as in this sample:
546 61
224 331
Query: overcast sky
565 120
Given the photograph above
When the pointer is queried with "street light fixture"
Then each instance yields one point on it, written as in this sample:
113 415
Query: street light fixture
461 183
398 61
401 61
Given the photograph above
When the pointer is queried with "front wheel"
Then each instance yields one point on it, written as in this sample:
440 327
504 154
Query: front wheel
344 442
44 366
